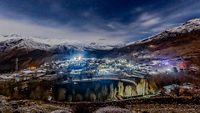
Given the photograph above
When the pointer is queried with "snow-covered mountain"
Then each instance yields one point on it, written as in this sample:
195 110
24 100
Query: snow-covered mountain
27 44
16 40
19 41
86 47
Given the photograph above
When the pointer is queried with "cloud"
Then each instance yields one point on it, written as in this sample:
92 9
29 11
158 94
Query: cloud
53 35
151 22
145 16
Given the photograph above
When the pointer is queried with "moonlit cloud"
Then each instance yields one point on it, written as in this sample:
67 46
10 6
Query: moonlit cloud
151 22
52 35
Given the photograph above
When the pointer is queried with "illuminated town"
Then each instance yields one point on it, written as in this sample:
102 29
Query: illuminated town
79 69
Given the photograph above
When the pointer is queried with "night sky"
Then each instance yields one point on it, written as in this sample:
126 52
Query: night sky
108 21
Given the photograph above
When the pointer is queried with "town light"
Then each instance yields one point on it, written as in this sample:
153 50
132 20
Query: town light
165 62
79 57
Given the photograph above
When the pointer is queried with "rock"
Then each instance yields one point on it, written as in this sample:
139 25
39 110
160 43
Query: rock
111 109
62 111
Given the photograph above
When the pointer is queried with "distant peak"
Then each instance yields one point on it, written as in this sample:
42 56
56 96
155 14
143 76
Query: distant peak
11 35
193 21
188 26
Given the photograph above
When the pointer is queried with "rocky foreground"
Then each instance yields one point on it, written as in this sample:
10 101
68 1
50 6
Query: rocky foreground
131 106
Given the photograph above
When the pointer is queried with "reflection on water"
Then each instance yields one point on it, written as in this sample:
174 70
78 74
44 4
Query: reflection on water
94 91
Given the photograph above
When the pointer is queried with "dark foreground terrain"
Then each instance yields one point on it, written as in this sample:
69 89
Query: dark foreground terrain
148 105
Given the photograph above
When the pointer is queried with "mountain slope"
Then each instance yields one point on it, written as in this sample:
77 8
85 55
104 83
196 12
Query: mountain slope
22 43
182 41
27 51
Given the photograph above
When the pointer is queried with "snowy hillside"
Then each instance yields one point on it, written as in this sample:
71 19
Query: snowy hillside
191 25
22 44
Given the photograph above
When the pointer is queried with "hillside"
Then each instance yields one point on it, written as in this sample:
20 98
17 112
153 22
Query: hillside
29 53
182 42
